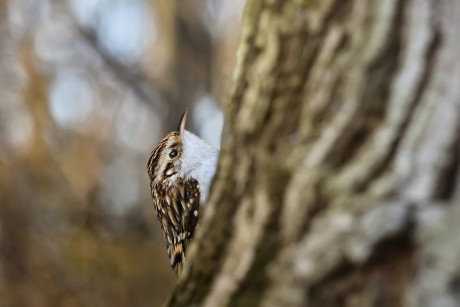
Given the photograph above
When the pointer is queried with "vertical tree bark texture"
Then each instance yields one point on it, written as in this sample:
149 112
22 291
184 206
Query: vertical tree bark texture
338 179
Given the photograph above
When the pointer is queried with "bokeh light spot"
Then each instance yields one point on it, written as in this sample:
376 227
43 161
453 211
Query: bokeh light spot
72 99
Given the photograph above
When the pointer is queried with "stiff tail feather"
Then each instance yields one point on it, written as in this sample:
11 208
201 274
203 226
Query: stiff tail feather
177 256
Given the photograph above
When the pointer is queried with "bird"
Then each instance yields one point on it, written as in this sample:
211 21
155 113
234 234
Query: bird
180 169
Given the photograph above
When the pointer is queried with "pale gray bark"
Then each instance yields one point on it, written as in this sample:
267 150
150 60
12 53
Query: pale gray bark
338 180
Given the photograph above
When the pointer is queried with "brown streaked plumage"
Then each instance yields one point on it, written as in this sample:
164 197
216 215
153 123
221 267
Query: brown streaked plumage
175 170
177 210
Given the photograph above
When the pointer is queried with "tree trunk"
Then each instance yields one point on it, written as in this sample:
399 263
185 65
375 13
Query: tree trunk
338 179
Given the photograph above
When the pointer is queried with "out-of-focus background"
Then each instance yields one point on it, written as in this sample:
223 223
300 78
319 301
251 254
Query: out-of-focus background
87 89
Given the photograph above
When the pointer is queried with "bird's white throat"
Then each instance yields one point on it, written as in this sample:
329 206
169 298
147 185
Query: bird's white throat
199 161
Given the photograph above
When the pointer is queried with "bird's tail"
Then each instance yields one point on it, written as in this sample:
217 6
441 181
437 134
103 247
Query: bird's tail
177 256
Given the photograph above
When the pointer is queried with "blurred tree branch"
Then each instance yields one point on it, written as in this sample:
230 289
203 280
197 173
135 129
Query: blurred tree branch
133 77
191 59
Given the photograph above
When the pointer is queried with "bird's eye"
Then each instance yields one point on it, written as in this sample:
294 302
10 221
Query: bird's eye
173 154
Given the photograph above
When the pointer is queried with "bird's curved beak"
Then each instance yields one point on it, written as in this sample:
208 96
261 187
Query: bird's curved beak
182 121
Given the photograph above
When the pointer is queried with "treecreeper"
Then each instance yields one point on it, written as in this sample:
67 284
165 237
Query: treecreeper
180 168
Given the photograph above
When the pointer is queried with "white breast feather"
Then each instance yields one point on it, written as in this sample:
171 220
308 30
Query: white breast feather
199 161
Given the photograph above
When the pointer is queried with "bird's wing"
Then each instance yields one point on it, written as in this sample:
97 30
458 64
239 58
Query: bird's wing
178 214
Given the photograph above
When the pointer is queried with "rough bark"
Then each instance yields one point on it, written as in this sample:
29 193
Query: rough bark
338 179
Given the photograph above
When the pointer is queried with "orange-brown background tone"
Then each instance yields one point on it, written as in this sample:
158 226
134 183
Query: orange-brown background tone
87 88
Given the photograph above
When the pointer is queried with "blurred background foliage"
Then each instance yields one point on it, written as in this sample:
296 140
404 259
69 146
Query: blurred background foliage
88 87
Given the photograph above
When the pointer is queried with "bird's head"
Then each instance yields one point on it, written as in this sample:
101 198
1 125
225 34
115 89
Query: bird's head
165 162
181 155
